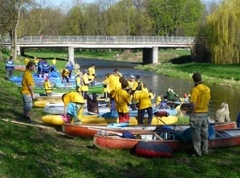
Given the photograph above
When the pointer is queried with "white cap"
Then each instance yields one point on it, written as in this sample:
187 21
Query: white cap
132 76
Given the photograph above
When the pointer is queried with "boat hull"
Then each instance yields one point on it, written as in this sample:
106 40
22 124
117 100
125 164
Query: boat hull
116 142
88 130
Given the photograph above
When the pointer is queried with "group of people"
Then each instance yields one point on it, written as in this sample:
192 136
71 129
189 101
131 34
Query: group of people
124 92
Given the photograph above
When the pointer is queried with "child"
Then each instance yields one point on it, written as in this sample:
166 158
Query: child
48 87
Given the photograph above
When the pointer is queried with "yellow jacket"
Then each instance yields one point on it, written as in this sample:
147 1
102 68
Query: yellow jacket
122 100
91 73
142 98
47 87
84 82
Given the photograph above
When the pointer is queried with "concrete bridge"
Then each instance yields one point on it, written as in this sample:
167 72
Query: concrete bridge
148 44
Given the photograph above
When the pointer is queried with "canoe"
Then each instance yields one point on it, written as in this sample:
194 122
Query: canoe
58 121
96 119
88 131
42 103
222 139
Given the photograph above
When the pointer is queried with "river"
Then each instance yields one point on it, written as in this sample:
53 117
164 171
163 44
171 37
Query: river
159 84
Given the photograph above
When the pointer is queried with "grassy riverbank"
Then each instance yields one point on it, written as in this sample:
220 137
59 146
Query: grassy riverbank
27 151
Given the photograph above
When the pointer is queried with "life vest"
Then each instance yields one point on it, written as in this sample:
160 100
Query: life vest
45 68
9 65
69 67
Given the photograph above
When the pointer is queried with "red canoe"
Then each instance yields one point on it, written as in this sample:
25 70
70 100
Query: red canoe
88 131
223 139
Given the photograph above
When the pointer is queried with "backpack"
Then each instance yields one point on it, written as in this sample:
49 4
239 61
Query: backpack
127 134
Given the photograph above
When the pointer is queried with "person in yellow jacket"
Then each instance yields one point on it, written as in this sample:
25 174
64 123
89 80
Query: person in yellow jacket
143 103
65 75
78 81
158 100
85 83
151 95
47 87
113 80
92 73
26 60
36 60
122 101
73 106
54 61
27 90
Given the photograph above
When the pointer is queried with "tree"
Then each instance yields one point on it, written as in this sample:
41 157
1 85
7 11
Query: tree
175 17
223 33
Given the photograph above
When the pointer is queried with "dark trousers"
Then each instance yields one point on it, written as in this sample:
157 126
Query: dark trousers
141 114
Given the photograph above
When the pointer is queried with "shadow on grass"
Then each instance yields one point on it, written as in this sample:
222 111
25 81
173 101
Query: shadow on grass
182 60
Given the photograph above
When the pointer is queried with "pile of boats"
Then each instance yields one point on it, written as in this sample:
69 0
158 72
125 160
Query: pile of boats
175 137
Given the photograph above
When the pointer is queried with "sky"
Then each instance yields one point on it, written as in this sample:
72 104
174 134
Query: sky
67 3
61 2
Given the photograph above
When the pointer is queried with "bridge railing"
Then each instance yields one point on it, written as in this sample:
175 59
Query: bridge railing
102 39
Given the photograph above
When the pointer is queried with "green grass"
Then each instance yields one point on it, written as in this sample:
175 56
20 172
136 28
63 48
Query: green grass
27 151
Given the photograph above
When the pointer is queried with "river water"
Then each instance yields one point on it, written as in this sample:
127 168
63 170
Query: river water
159 84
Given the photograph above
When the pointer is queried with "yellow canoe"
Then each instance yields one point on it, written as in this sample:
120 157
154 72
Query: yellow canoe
42 103
95 119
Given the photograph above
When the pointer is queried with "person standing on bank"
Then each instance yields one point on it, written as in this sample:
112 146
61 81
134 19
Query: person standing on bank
70 67
122 100
143 103
9 66
200 97
92 74
27 90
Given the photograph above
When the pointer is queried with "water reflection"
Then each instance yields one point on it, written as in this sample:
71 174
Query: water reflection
159 84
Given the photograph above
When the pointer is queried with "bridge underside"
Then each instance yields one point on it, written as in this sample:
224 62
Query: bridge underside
149 55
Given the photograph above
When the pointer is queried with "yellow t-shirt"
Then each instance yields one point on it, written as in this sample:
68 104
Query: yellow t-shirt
113 82
91 73
142 98
85 82
73 97
122 100
26 81
130 84
200 95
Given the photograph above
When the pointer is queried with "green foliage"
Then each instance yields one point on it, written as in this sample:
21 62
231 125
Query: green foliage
175 17
223 33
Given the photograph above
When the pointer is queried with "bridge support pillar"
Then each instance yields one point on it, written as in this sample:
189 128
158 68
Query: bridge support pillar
20 51
150 55
71 54
155 55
